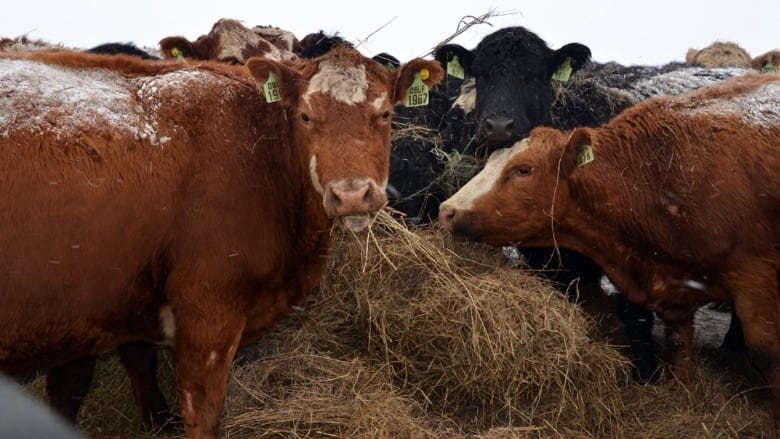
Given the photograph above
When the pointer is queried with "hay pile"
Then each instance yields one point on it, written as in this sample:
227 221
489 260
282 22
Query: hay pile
414 336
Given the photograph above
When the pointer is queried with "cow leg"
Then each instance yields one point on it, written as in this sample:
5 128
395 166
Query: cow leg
140 361
204 352
681 326
638 326
757 303
67 385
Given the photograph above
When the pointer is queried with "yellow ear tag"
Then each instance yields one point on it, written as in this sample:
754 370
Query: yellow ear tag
769 68
585 155
417 95
564 71
176 53
455 69
271 89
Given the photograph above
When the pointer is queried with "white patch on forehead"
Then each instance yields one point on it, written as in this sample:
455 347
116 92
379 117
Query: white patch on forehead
315 179
345 84
40 98
481 184
757 107
380 102
167 325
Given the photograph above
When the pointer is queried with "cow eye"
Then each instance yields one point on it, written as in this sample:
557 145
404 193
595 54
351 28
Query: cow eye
386 115
523 171
305 117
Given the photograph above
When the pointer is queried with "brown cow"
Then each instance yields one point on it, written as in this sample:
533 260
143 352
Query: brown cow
719 54
164 202
231 42
768 62
677 199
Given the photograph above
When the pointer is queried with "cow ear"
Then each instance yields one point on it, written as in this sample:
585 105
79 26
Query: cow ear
276 81
569 58
430 73
448 52
176 48
578 150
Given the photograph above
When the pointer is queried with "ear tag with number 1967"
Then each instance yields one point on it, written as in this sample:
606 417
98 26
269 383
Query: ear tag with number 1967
417 95
271 89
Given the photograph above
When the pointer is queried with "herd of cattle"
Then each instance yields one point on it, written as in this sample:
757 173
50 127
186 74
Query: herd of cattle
185 197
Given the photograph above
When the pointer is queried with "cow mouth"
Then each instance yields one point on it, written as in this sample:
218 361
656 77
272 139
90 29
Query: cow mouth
356 223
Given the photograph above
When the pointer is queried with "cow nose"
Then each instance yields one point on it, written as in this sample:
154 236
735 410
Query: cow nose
499 129
446 217
352 201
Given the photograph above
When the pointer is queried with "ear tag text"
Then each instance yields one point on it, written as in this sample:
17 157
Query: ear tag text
417 95
454 68
585 155
564 71
271 89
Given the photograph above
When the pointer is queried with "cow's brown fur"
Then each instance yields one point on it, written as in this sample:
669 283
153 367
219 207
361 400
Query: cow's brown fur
681 206
767 62
719 54
198 226
231 42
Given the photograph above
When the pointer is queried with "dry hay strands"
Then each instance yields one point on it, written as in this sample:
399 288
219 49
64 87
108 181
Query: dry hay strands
468 336
298 394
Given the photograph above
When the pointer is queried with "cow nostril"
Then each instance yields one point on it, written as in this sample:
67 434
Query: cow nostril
446 216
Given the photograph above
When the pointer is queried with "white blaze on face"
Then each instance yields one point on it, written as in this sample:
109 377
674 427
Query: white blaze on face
380 102
315 179
484 181
344 84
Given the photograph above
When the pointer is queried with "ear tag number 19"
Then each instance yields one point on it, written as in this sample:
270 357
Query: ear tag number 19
564 71
271 89
585 155
417 95
454 68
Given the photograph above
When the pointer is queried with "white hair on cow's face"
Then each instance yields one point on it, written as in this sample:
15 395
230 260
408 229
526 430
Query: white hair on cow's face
315 179
467 99
483 182
345 84
379 102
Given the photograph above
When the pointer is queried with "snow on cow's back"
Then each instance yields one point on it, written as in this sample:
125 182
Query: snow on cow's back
41 98
755 100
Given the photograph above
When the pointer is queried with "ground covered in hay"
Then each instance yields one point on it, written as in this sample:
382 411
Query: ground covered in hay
412 335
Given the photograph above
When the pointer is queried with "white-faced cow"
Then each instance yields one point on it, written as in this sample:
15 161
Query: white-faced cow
186 204
677 199
229 41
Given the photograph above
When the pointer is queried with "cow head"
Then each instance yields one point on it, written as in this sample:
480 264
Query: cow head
513 69
231 42
517 195
719 54
341 106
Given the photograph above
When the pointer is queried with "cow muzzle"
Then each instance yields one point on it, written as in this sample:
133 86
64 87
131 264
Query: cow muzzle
353 197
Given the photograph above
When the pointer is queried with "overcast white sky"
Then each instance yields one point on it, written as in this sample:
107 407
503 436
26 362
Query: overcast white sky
630 32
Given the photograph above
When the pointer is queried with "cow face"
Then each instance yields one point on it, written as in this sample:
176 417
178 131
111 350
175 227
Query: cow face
513 69
231 42
340 106
514 199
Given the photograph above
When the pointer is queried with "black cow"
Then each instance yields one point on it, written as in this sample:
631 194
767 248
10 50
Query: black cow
121 49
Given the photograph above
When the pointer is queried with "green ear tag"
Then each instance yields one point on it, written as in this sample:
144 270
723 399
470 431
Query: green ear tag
389 66
178 54
769 68
455 69
417 95
271 89
564 71
585 155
